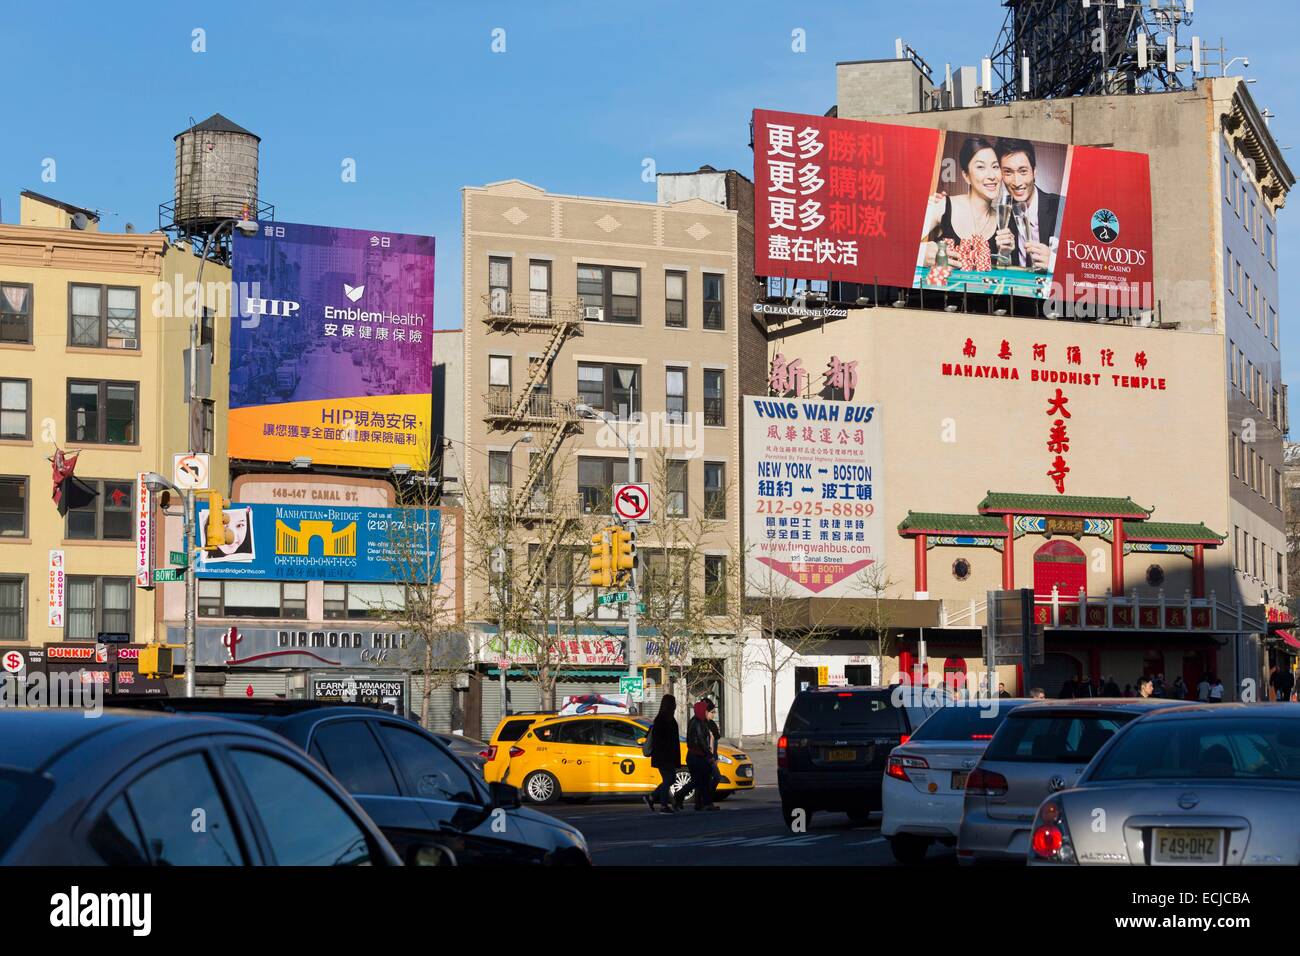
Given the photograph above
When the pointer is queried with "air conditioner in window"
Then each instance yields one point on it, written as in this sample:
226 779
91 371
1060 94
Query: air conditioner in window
123 343
593 313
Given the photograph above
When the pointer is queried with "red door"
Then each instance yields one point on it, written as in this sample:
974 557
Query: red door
1060 564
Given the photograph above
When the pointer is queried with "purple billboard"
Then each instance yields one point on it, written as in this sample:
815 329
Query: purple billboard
331 349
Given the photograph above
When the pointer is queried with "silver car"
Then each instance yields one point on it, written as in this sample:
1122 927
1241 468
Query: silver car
1200 785
1041 748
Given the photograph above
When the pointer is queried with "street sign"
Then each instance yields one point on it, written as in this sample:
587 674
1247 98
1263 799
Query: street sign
634 687
614 597
178 558
190 472
632 501
168 574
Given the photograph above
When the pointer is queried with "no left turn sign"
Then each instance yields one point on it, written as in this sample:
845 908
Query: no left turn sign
632 502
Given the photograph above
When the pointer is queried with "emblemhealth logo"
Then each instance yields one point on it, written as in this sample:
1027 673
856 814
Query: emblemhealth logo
353 292
297 542
1105 225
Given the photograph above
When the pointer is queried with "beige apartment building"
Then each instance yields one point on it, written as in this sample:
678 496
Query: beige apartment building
577 308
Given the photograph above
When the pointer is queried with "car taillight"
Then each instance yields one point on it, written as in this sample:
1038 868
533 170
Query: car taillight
986 783
1047 841
516 751
897 767
904 739
782 757
981 736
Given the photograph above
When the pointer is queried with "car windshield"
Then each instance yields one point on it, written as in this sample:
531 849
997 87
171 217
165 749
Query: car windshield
1241 748
964 723
827 711
1053 737
21 795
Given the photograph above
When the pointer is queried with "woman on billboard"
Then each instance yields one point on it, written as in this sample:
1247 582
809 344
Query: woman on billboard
964 231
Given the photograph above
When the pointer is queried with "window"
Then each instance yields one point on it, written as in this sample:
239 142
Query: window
430 771
15 314
1272 324
103 413
715 584
713 407
1228 272
304 823
715 498
675 300
350 751
268 599
675 395
621 733
539 289
1236 548
13 507
116 837
499 479
595 476
1234 449
103 317
498 285
499 381
677 478
713 314
540 499
374 600
13 608
186 782
1232 360
334 602
611 388
98 606
106 517
615 291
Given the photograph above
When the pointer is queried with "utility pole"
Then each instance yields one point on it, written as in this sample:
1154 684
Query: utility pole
633 649
191 587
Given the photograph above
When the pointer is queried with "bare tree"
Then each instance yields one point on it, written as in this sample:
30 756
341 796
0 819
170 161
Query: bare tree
875 614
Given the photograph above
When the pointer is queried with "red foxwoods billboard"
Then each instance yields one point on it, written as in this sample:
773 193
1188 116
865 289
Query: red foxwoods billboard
875 203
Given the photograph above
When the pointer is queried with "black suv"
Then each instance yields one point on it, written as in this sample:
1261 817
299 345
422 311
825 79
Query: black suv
836 743
413 787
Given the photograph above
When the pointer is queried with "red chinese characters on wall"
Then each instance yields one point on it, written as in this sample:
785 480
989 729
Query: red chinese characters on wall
1058 441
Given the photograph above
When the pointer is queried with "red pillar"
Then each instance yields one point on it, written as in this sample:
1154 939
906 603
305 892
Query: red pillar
905 664
1009 557
1198 570
1117 559
920 561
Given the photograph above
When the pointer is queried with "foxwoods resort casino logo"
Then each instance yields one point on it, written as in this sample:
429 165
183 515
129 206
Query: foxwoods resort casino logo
1105 225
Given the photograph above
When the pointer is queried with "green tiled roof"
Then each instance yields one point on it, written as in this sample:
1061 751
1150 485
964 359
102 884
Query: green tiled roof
1001 502
928 521
1172 531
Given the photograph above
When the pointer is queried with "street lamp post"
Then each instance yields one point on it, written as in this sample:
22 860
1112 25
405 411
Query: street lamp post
503 659
156 483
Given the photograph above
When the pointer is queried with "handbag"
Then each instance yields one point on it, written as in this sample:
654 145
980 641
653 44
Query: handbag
648 745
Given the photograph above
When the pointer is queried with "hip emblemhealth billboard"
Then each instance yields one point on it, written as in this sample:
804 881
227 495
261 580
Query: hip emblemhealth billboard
331 347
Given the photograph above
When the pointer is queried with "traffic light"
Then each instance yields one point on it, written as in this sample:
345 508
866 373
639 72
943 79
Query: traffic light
624 551
217 532
155 660
602 571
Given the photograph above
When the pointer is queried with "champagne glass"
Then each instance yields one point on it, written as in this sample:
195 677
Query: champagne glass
1004 208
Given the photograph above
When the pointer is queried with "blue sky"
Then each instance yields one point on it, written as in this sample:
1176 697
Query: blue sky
582 95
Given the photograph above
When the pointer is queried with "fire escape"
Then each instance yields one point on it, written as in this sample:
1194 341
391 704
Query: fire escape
534 409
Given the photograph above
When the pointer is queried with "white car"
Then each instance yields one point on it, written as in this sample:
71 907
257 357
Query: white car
925 778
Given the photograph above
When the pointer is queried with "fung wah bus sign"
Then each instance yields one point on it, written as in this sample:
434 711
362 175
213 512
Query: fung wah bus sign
813 506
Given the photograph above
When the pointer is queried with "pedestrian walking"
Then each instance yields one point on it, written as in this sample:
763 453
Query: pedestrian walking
1111 689
1037 693
665 753
1216 691
699 757
1203 688
1179 690
715 777
1002 691
1282 682
1146 688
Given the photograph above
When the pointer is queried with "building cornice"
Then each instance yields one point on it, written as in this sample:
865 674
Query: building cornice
72 249
1248 133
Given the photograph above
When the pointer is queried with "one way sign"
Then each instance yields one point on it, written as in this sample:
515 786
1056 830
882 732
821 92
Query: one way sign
632 502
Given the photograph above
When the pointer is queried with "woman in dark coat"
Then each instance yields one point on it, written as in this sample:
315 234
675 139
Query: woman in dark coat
665 753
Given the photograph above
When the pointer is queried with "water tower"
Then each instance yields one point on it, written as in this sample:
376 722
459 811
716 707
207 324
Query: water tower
216 180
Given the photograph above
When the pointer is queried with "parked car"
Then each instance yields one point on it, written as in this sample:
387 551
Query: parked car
119 791
507 731
600 755
471 750
1041 748
414 788
832 752
1209 784
925 779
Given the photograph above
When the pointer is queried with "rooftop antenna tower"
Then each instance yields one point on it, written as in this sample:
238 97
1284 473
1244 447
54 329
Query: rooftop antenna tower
1059 48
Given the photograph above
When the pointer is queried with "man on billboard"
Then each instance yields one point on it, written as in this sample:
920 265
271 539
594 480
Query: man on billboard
1037 209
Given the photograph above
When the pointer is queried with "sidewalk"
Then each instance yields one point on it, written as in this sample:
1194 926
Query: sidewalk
763 754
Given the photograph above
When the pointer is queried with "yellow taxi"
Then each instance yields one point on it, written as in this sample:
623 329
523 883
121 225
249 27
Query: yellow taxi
596 755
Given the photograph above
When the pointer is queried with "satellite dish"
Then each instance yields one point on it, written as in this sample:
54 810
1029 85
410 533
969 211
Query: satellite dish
79 220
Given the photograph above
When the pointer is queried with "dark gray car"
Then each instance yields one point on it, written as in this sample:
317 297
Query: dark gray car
1041 748
1198 785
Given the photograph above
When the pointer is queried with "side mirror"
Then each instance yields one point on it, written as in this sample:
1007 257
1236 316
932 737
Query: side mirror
504 795
430 854
640 740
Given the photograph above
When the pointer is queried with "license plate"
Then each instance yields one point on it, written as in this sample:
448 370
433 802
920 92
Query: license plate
1186 846
842 753
959 779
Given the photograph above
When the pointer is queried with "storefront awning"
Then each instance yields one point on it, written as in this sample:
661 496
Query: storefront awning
566 674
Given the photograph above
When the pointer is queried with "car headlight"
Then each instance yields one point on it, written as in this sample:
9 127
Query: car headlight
723 758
